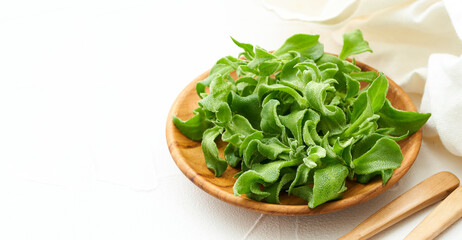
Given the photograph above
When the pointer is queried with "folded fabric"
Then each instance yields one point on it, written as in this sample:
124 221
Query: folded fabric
443 98
403 34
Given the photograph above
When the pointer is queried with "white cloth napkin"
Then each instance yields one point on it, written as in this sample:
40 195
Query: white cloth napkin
416 43
442 96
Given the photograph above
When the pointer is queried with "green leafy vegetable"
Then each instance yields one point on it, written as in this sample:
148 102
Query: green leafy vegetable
353 43
296 120
377 92
212 159
329 184
306 45
401 121
194 127
385 154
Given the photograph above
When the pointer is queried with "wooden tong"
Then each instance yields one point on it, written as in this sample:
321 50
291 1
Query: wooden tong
427 192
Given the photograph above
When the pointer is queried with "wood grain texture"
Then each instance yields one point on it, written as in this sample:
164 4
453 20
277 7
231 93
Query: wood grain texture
189 158
431 190
443 216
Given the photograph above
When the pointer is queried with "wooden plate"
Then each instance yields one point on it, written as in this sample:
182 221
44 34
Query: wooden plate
188 156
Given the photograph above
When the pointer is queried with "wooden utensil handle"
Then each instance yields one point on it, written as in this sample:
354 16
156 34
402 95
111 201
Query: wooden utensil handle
427 192
445 214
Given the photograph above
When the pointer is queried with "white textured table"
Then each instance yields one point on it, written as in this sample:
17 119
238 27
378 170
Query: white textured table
85 88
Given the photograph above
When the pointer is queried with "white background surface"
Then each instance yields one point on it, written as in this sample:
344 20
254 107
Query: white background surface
85 88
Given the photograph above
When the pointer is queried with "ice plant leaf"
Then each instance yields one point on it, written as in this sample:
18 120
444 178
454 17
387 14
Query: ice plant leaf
353 43
401 121
194 127
212 159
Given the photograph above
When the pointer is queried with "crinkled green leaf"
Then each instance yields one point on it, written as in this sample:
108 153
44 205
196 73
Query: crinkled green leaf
344 67
311 68
352 86
250 150
315 153
270 123
257 135
276 187
348 159
364 76
297 75
304 192
216 101
194 127
293 122
340 145
360 104
353 43
223 67
401 121
267 173
309 132
256 192
232 155
349 67
306 45
334 123
288 71
210 150
366 178
249 80
362 112
271 148
248 107
365 144
265 89
385 154
237 129
329 184
377 92
244 70
248 49
316 93
330 157
261 56
301 177
328 70
269 67
367 127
